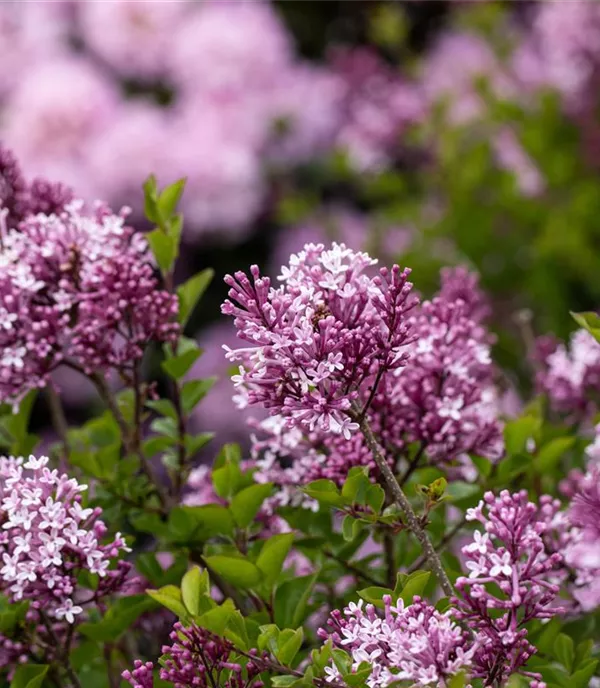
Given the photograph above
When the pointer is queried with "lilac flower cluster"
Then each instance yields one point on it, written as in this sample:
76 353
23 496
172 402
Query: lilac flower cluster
510 554
18 198
583 551
79 288
48 538
445 398
332 336
414 643
198 659
569 376
322 337
377 105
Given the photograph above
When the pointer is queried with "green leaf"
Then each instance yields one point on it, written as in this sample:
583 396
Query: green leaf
581 678
415 584
272 557
191 292
29 676
583 652
549 455
191 524
119 617
157 445
246 503
325 492
194 391
342 661
375 595
458 681
194 585
169 198
589 321
375 498
236 631
238 571
290 643
194 443
170 597
229 453
163 406
150 199
164 249
356 486
177 366
226 480
350 528
216 619
358 678
291 600
564 649
518 432
461 491
484 466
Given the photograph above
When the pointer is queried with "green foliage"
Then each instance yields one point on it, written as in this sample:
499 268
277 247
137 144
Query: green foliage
29 676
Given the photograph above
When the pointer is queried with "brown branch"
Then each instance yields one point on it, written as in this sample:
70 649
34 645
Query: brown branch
401 499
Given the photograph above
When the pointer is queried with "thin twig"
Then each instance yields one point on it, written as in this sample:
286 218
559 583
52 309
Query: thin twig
401 499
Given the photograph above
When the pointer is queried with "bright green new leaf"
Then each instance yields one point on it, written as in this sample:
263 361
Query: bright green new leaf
411 586
290 643
191 292
291 600
169 197
246 504
374 595
238 571
194 585
272 556
164 249
194 391
170 597
177 366
29 675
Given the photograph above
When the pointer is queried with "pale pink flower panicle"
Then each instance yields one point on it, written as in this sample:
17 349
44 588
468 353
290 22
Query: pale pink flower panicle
48 538
415 643
511 554
321 337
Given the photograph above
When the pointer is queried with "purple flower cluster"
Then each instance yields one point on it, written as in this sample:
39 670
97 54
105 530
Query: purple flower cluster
582 553
510 556
414 643
48 538
378 107
198 659
332 336
79 288
569 376
445 398
319 340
